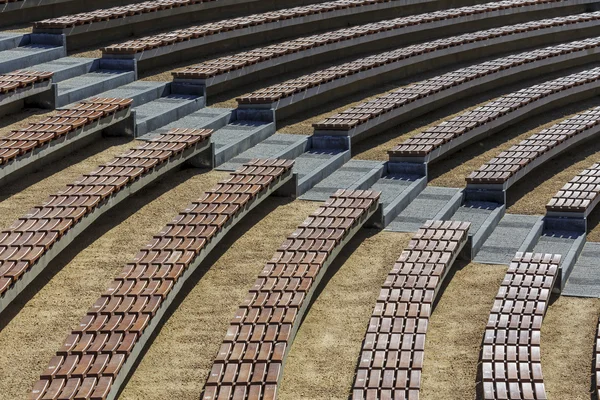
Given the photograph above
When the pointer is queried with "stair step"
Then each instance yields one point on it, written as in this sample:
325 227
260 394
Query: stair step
66 67
277 146
162 111
205 118
425 206
141 92
355 174
316 164
10 40
239 136
27 56
91 84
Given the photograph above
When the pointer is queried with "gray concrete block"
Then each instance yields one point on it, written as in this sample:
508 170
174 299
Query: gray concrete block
584 280
425 206
66 67
484 217
507 238
158 113
277 146
91 84
239 136
350 176
316 164
27 56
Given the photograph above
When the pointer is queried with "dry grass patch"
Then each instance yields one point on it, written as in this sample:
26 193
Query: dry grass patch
567 346
39 320
178 361
456 330
21 195
88 53
324 355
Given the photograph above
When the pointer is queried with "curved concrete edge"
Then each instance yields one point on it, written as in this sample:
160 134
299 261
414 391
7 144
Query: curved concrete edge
428 61
236 77
421 106
58 148
86 221
160 313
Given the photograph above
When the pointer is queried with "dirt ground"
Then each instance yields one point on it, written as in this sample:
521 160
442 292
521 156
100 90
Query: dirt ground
567 346
41 318
323 357
177 363
456 329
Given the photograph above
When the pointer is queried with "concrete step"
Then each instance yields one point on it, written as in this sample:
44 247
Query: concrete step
431 203
141 92
27 56
239 136
66 67
91 84
514 233
317 164
162 111
484 217
566 243
277 146
584 280
10 40
355 174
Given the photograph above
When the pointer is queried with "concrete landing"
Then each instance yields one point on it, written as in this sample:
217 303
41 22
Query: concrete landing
239 136
484 217
205 118
27 56
141 92
427 205
160 112
509 236
584 280
66 67
317 164
355 174
91 84
277 146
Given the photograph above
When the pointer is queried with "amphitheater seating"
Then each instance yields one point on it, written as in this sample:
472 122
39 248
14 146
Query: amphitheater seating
37 237
511 165
20 143
102 15
391 357
254 60
265 20
447 136
101 350
580 195
349 73
250 359
12 81
391 108
511 367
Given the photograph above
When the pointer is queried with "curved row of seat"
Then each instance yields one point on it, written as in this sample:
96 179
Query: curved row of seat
439 140
510 358
582 193
32 241
114 13
19 143
21 79
98 354
249 362
294 15
391 357
241 64
354 75
389 109
511 165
